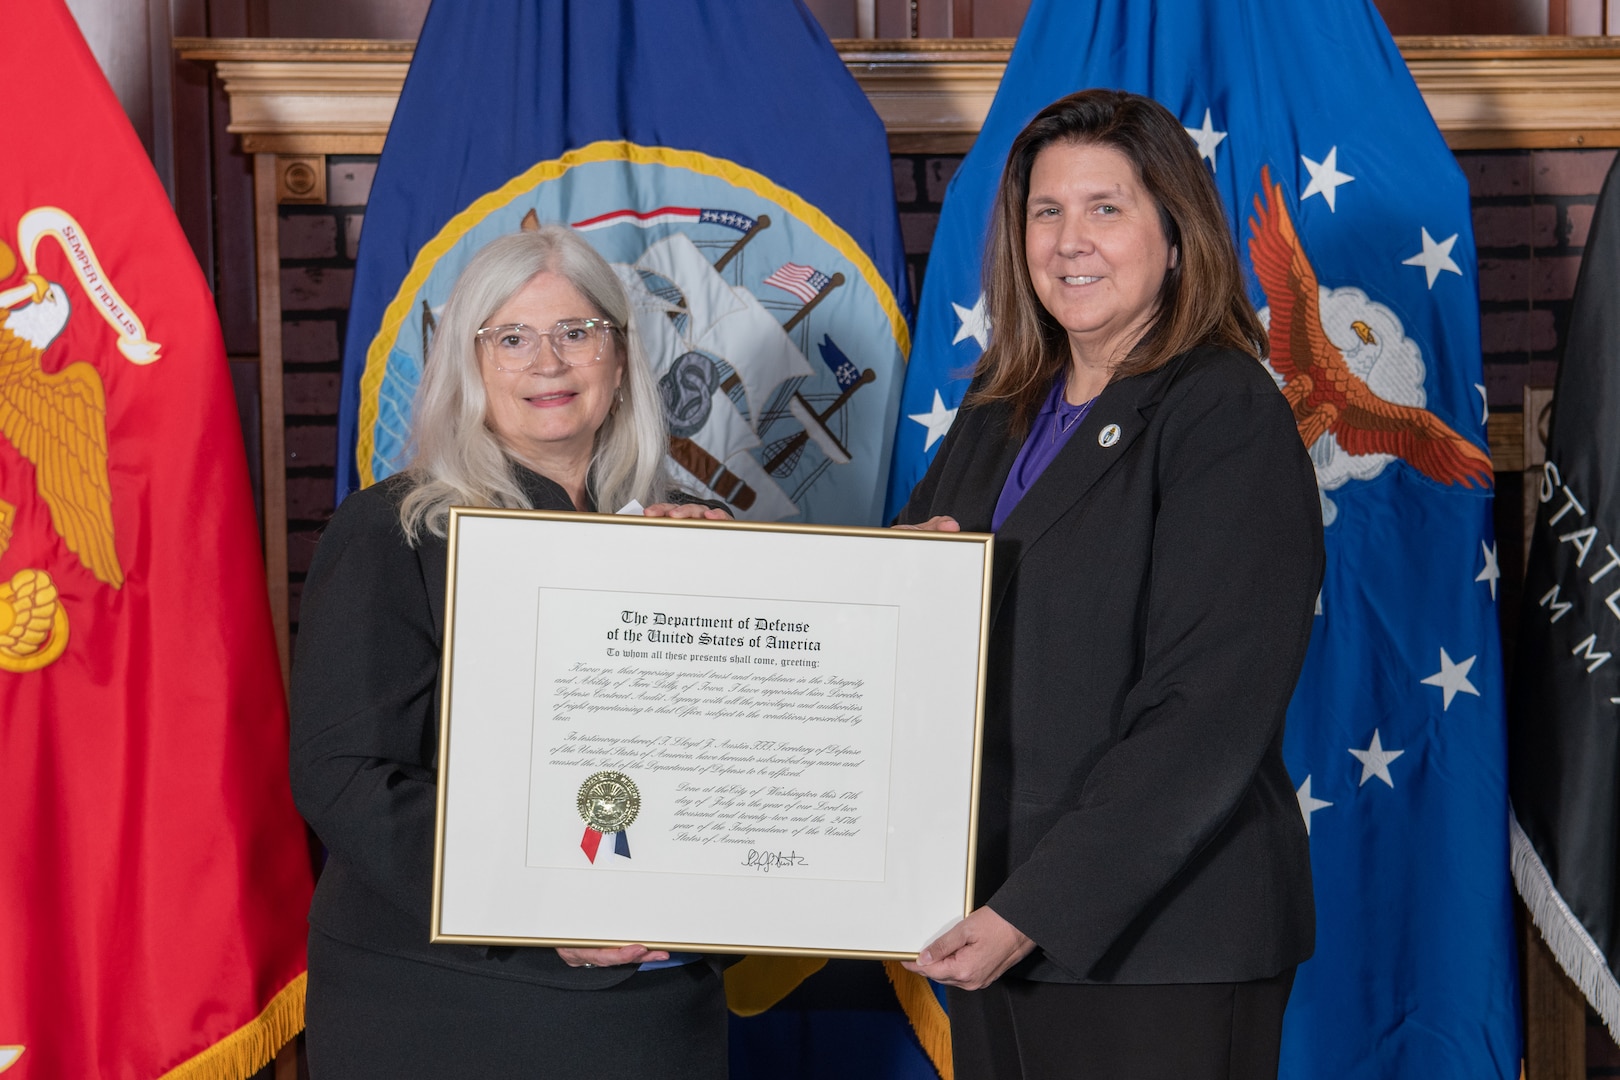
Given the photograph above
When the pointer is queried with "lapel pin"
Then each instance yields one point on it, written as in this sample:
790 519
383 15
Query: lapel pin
1108 436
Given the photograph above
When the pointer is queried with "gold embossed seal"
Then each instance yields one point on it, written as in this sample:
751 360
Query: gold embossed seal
609 801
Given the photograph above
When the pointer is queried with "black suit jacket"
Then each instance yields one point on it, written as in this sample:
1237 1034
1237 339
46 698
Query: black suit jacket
365 699
1152 604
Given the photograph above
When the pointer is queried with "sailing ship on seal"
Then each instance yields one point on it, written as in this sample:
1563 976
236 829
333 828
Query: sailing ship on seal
728 369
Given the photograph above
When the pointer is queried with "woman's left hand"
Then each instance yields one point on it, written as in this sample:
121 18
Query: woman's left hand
938 523
974 953
686 510
624 954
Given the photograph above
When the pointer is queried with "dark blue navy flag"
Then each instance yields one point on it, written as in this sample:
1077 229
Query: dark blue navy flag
724 160
1353 221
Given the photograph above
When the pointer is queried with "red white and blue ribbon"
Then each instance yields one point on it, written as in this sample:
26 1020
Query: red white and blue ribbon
591 842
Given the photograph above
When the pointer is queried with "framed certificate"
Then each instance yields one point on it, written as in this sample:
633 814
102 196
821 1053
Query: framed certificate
708 736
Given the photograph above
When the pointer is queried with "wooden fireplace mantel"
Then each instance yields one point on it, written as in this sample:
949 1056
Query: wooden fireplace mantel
306 96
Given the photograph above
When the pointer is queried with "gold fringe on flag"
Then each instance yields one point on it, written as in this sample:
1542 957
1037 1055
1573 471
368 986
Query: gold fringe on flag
927 1018
252 1046
755 983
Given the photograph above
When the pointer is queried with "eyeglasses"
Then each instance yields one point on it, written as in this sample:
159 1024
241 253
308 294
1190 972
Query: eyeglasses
515 347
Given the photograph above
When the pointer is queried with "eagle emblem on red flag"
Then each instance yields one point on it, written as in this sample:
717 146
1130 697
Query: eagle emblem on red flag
57 421
154 878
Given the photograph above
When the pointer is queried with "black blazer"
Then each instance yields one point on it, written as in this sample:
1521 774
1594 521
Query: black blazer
1151 608
365 705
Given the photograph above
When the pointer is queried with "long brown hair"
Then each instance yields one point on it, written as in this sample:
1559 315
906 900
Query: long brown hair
1027 346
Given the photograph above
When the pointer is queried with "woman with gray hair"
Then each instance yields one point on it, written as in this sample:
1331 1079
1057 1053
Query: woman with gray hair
536 395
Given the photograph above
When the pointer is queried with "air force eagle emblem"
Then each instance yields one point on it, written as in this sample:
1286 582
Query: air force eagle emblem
1352 377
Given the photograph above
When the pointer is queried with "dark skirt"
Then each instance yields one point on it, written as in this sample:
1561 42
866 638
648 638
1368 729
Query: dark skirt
373 1015
1017 1029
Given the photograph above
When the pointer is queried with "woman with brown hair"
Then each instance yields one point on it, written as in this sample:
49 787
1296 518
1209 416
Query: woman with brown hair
1143 869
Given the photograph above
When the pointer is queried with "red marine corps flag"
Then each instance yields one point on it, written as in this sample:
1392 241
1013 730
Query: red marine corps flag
153 873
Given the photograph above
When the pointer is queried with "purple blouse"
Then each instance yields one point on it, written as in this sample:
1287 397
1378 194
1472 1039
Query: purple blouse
1054 424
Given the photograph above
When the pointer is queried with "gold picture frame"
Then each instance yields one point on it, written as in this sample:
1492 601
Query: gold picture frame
708 736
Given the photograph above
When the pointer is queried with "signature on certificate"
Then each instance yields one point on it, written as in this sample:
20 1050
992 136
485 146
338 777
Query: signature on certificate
766 861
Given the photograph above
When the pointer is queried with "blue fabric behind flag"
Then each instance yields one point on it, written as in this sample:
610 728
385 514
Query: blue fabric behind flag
841 1023
1414 973
756 95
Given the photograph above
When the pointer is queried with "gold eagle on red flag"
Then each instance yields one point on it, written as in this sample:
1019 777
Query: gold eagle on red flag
1326 395
57 421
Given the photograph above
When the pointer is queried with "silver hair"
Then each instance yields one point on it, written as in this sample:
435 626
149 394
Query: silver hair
454 459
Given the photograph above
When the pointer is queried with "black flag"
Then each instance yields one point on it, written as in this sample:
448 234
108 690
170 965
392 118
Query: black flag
1564 709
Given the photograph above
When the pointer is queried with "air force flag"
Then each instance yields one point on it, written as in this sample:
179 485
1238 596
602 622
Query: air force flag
1353 220
728 166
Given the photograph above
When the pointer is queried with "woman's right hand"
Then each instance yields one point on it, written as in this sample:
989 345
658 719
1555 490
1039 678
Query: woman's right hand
942 523
624 954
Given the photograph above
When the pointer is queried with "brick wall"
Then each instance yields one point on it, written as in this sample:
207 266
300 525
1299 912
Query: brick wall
318 245
919 191
1532 210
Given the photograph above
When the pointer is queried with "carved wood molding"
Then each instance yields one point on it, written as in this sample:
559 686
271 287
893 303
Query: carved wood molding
337 96
932 95
295 96
1520 92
